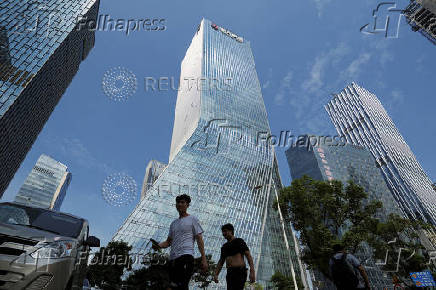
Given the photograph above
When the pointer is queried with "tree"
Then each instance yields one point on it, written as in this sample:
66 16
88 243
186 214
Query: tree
282 282
326 213
108 265
155 273
204 278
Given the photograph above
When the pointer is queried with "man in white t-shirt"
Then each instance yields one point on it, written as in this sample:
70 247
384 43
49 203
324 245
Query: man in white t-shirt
182 234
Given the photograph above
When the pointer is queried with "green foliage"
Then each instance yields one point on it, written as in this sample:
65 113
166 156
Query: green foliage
155 273
203 279
108 264
253 286
282 282
326 213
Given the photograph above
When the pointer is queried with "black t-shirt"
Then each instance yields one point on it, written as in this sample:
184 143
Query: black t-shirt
233 247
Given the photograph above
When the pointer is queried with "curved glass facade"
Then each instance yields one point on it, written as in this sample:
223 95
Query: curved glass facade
41 48
359 115
216 160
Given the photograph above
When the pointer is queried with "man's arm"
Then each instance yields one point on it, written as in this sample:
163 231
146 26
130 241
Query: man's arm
200 245
364 275
250 262
165 244
219 266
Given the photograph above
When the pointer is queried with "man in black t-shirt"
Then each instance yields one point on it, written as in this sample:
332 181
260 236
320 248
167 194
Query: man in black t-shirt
233 253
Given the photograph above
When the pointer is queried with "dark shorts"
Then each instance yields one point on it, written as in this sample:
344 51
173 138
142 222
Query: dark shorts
181 270
236 277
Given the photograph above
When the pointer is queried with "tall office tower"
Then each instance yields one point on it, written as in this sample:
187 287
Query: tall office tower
344 163
46 185
215 159
421 16
41 48
434 186
154 169
360 117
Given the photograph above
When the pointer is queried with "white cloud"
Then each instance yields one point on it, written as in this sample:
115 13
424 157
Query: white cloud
355 67
74 150
320 4
285 87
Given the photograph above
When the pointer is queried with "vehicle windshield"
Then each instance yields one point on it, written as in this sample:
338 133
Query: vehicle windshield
42 219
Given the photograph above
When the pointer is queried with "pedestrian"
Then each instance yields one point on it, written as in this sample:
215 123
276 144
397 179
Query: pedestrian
182 234
232 253
347 271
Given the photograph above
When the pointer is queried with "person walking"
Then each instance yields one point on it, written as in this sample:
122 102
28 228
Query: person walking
232 253
182 234
347 271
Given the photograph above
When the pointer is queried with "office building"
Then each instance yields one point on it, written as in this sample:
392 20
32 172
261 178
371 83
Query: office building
46 185
345 163
152 172
215 158
361 118
41 48
421 16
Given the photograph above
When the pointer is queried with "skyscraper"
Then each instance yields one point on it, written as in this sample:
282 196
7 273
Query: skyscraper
46 185
41 48
344 163
152 172
359 115
421 16
215 159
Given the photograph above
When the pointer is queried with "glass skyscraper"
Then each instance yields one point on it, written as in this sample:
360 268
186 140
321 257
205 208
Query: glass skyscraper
152 172
46 185
215 159
41 47
421 15
360 117
344 163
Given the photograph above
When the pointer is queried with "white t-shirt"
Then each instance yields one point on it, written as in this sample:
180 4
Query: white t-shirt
182 232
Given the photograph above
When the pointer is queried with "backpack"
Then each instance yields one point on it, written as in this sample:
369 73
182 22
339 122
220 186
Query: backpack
343 273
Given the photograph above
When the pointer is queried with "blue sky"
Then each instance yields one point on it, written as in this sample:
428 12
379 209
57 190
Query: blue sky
304 51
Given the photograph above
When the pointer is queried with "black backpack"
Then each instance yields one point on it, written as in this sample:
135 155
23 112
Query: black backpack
343 273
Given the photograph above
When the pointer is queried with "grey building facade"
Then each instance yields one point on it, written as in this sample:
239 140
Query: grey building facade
421 16
346 163
41 47
361 118
46 185
152 172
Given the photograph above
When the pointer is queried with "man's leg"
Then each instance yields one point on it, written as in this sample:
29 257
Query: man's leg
183 270
236 278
